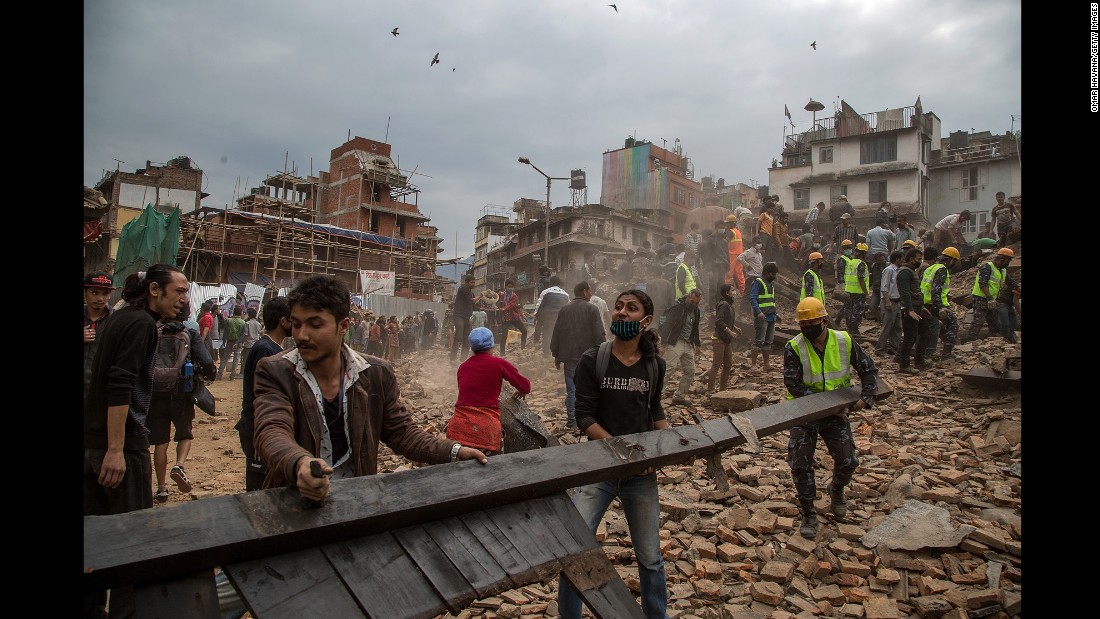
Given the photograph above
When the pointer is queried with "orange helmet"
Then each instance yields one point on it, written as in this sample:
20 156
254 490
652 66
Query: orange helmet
816 256
1004 251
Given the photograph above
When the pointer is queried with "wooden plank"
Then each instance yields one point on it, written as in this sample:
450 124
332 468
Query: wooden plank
469 556
153 544
292 585
571 522
498 546
595 580
444 577
537 545
987 377
183 597
383 579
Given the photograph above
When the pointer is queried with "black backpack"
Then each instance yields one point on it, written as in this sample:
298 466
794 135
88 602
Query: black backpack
173 350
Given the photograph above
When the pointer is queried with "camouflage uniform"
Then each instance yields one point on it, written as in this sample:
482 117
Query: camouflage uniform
834 429
983 310
947 328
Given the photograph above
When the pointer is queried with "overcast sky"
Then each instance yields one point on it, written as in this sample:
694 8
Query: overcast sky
240 85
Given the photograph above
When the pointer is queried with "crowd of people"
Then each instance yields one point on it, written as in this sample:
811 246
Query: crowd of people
320 393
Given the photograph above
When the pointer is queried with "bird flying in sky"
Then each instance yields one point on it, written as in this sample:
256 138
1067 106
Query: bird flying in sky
614 7
814 45
435 60
394 32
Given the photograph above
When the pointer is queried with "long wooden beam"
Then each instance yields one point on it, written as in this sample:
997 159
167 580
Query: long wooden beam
154 544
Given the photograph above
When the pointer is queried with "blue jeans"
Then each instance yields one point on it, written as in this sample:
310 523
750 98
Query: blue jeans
1006 315
638 495
764 333
570 368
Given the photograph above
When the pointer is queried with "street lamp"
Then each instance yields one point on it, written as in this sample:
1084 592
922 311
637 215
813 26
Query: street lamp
525 160
815 107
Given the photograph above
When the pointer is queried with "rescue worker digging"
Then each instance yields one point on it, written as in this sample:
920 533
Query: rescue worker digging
821 359
934 286
987 285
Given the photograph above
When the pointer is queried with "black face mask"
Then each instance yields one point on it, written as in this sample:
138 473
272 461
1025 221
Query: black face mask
812 332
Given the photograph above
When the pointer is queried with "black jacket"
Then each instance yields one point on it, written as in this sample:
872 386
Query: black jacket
673 323
122 374
579 328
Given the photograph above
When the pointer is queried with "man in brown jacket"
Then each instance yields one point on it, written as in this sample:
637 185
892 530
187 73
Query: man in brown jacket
323 401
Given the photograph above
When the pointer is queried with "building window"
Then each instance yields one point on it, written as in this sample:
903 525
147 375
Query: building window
835 191
977 223
693 201
679 196
876 191
637 237
969 188
826 155
878 148
801 199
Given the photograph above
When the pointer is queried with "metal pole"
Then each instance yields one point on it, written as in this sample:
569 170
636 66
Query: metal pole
546 259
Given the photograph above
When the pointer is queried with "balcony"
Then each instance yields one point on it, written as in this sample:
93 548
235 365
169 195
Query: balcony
988 150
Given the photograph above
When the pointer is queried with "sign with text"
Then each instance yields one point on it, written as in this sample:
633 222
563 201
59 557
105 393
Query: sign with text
377 282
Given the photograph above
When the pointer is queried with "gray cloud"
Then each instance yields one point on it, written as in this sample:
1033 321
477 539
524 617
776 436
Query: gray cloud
253 83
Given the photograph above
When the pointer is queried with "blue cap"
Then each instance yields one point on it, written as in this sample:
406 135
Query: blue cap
481 339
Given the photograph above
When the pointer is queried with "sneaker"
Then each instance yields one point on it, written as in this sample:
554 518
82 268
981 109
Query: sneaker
180 478
921 365
571 426
161 496
681 400
908 370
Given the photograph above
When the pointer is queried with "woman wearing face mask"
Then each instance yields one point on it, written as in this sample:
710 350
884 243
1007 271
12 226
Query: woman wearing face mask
722 340
624 403
821 359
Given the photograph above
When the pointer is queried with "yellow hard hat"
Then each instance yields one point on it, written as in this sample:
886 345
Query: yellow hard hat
810 308
952 252
1004 251
846 242
816 256
731 217
861 246
909 243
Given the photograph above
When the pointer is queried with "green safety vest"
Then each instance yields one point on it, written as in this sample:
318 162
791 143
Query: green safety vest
836 371
851 277
766 300
689 280
996 278
819 290
926 284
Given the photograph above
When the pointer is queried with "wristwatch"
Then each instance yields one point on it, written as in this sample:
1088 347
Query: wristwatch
454 452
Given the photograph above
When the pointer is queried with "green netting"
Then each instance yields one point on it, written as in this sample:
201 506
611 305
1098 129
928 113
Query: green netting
151 238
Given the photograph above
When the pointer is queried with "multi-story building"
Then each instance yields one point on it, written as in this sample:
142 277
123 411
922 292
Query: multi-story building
493 227
870 158
644 177
968 172
574 230
175 184
355 221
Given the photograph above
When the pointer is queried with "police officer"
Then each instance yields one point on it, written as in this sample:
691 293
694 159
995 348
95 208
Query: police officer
935 284
987 285
811 279
856 279
821 359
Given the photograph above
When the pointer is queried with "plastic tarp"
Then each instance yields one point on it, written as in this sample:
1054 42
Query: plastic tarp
151 238
369 237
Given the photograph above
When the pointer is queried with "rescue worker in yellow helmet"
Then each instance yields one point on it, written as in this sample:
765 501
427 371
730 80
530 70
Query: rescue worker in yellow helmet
811 279
854 276
821 359
987 285
935 285
908 244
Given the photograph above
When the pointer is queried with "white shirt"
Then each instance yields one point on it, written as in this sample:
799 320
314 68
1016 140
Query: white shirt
551 290
605 315
951 222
